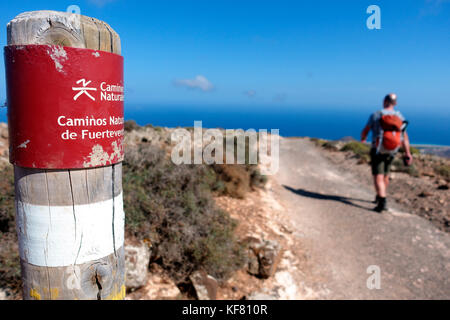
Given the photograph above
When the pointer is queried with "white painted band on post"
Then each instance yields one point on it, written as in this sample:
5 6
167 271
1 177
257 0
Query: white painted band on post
69 235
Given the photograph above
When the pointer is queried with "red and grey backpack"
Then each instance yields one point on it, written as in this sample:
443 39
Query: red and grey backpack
392 127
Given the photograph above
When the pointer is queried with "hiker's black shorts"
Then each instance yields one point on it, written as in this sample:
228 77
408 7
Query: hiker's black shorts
381 163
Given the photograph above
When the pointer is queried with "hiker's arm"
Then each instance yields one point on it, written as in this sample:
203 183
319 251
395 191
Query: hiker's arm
406 144
364 134
406 147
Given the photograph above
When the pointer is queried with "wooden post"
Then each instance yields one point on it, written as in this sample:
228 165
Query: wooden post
65 193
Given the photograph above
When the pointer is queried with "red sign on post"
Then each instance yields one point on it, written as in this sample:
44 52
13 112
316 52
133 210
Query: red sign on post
65 107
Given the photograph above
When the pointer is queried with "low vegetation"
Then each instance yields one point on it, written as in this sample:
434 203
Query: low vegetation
9 252
361 150
399 166
443 170
236 180
172 207
422 164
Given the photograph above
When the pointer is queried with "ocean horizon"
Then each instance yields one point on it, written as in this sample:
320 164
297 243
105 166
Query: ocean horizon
330 123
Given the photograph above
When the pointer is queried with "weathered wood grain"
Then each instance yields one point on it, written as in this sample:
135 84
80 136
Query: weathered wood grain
39 187
103 278
62 28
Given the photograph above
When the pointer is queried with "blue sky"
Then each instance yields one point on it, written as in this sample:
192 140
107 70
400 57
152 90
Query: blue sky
287 54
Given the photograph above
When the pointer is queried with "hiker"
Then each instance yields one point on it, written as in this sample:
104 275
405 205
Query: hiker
388 128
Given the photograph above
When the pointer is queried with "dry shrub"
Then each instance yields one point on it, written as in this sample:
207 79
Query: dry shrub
172 206
443 170
235 178
131 125
358 148
9 252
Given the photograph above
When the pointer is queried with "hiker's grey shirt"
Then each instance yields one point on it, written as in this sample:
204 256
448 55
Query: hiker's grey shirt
374 123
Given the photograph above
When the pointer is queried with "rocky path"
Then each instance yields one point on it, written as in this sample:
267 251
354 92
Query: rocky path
331 212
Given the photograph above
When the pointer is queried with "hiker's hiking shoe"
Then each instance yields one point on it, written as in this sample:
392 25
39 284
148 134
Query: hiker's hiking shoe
381 206
376 200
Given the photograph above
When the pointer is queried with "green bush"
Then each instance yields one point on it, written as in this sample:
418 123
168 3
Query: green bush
414 151
358 148
131 125
318 142
235 180
172 206
399 166
443 170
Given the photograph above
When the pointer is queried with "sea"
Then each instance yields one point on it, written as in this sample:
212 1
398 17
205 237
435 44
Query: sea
331 123
425 128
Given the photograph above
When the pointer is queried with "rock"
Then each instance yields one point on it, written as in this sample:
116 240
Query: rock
159 287
4 131
269 256
3 295
286 286
262 296
334 145
425 194
137 257
362 161
428 173
253 263
3 151
252 257
263 257
205 285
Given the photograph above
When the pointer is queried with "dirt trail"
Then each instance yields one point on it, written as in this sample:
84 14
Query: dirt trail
331 212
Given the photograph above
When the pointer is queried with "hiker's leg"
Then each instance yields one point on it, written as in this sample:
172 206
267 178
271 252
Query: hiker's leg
381 204
386 182
382 183
387 171
381 187
376 184
376 166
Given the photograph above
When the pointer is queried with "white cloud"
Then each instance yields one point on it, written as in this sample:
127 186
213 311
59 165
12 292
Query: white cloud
199 82
250 93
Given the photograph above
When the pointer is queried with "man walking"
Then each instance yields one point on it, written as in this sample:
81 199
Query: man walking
388 128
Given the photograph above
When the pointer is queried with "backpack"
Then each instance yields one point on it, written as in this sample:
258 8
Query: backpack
390 139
